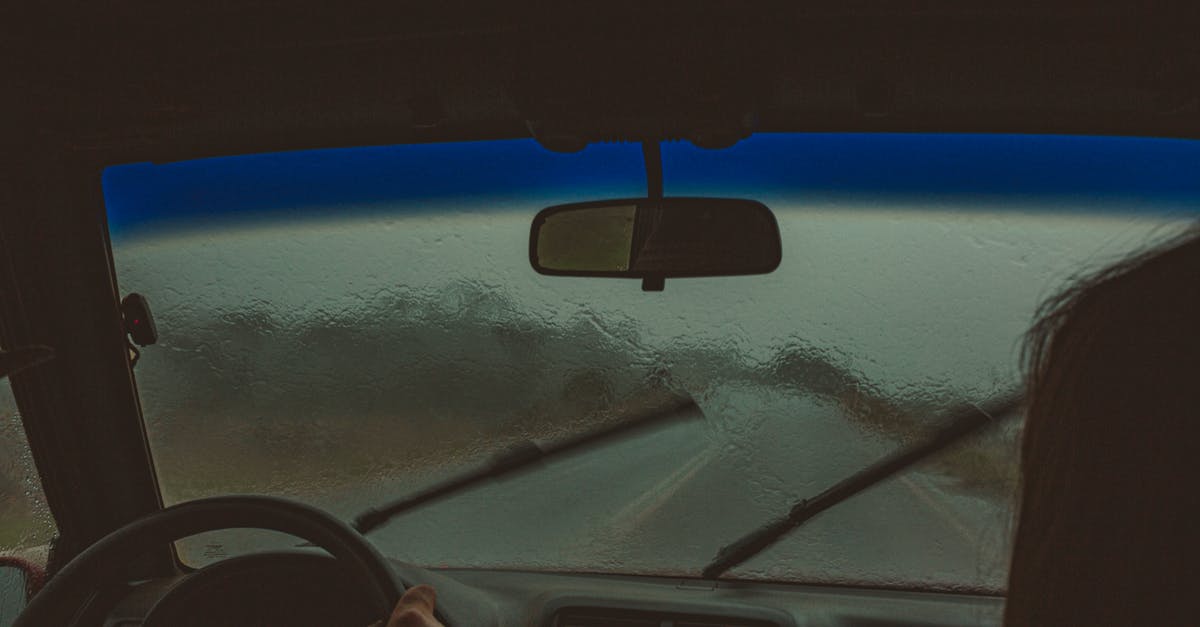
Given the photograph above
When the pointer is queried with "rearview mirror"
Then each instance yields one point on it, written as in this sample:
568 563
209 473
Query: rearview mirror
655 239
18 580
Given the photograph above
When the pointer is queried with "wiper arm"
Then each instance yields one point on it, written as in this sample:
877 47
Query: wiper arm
527 453
963 422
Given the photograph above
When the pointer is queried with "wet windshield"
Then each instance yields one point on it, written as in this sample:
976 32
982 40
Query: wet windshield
349 326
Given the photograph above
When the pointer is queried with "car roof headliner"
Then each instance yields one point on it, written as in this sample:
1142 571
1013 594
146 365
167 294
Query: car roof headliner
142 82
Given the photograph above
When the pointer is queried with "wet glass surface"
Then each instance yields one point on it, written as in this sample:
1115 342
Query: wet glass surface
26 526
364 352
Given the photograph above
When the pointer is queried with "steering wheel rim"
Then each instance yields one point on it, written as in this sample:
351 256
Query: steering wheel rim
61 597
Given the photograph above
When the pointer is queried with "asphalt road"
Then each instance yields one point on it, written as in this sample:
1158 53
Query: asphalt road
665 501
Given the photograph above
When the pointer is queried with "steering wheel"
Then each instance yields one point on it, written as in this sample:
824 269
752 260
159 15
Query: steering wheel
63 595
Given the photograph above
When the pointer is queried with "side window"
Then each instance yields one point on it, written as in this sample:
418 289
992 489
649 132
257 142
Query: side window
26 526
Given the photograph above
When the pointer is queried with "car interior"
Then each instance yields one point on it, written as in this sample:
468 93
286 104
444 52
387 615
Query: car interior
513 299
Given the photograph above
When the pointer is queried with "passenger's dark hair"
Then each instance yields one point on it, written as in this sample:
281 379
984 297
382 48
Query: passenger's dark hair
1109 519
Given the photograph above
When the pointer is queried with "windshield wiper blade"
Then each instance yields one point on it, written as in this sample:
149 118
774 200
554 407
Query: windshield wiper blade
962 423
527 453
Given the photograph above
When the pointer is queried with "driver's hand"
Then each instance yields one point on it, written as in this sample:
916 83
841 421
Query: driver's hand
415 609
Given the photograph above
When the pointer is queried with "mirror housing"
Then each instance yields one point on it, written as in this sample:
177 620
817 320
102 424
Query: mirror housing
19 580
655 239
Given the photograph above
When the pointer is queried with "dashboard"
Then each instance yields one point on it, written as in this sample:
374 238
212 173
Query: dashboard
306 588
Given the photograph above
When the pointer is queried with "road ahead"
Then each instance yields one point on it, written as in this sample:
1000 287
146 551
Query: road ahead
667 500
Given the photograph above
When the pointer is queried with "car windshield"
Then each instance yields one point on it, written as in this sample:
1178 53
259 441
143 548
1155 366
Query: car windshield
349 326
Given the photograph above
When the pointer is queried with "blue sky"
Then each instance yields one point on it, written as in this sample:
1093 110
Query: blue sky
1149 172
